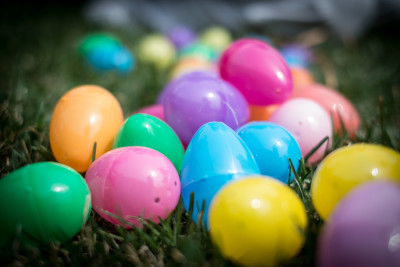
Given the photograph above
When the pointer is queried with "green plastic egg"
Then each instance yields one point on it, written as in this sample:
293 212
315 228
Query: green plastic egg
149 131
199 50
42 202
97 40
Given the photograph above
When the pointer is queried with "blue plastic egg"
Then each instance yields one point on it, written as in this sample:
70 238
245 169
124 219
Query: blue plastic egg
296 55
111 58
215 156
272 146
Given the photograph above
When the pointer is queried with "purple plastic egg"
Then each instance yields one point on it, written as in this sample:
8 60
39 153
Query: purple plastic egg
181 36
172 83
196 99
309 124
364 228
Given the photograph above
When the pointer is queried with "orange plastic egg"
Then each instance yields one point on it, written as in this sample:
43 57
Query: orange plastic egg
262 113
301 77
84 115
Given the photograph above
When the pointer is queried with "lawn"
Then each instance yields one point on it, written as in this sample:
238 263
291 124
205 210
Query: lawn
39 62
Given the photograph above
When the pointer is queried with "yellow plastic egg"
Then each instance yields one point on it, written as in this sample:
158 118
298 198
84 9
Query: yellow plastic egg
156 49
216 37
83 116
348 167
190 64
257 221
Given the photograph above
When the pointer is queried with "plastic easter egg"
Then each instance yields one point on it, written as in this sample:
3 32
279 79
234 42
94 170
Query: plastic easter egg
170 86
191 64
85 115
309 124
45 202
215 156
196 99
364 228
334 103
301 77
156 110
96 41
157 50
347 167
181 36
272 146
257 221
296 55
106 59
262 113
257 70
216 37
198 50
131 182
146 130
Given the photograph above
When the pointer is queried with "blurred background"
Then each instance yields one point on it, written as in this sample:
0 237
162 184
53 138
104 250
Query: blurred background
349 18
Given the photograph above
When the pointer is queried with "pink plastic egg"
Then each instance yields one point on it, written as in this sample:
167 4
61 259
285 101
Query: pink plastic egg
132 182
308 122
258 71
156 110
334 103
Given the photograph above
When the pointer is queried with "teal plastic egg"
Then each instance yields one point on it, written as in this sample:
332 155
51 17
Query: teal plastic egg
215 156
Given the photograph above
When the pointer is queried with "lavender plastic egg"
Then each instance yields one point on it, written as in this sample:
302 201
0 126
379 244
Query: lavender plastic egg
364 228
196 99
181 36
172 83
309 124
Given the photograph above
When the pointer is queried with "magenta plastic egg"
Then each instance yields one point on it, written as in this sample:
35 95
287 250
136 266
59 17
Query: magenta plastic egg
156 110
198 98
133 182
309 124
258 71
364 228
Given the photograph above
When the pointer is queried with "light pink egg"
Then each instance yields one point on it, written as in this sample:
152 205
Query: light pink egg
334 103
308 122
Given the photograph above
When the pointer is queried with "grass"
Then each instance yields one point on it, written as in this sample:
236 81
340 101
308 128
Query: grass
39 63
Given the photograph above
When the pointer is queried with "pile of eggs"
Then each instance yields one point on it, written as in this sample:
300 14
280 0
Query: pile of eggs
228 131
